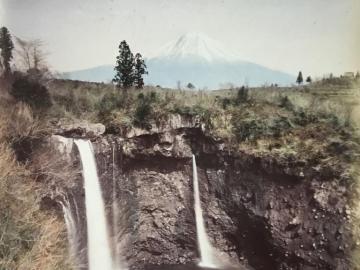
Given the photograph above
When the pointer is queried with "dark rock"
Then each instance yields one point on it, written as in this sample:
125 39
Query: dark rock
259 210
81 129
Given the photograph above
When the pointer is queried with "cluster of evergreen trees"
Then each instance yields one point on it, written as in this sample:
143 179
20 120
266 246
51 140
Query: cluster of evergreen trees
300 80
129 69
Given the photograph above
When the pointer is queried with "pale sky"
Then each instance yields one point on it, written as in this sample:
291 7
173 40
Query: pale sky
315 36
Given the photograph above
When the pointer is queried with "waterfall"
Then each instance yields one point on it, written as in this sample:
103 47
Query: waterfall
71 230
119 264
99 251
207 258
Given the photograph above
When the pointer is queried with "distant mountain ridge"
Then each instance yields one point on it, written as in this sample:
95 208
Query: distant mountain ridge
197 59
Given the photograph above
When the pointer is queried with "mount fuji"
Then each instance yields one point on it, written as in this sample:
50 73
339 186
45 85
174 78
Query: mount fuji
197 59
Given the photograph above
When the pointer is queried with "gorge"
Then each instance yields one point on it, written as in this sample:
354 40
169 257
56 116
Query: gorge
259 212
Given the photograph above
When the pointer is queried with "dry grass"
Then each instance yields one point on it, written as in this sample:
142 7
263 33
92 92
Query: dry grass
17 121
18 206
81 100
29 239
49 252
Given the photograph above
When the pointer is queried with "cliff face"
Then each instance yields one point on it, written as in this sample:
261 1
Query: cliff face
261 211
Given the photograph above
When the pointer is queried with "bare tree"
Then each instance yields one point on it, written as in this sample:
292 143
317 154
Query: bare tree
31 55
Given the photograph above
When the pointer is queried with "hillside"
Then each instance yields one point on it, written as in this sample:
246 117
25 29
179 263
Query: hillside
276 162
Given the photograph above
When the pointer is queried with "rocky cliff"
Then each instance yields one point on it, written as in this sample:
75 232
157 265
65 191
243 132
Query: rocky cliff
261 211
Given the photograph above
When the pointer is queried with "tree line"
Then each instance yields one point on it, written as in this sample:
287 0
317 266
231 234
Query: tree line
331 77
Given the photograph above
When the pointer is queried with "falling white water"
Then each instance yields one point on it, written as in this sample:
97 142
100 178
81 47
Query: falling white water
71 229
119 264
207 258
114 206
99 251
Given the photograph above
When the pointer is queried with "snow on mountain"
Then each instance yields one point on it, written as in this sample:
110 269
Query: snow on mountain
196 45
197 59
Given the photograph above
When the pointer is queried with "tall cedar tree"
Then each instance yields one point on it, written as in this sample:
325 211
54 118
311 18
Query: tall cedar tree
139 71
124 76
6 47
300 79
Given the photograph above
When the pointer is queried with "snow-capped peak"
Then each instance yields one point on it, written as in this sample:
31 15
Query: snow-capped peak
196 45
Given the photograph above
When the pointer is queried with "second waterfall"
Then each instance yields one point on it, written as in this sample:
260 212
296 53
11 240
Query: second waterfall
207 258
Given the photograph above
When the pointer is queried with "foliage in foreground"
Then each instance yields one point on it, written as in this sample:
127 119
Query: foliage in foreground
29 237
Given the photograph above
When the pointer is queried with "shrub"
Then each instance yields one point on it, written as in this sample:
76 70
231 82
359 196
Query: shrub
17 122
190 111
31 92
144 109
249 127
142 113
303 118
279 125
242 95
110 102
225 102
286 103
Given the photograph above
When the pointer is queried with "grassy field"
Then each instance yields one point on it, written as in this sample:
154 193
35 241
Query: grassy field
244 117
